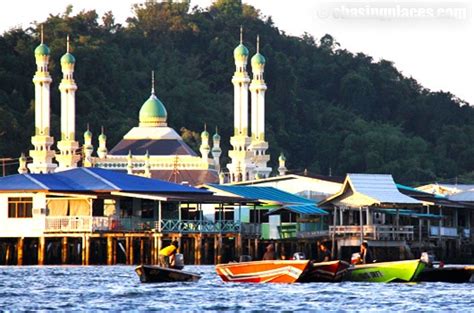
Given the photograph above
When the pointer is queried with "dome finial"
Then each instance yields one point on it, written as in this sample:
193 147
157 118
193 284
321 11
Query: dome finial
258 43
216 130
42 34
102 129
152 82
205 126
88 127
241 34
67 43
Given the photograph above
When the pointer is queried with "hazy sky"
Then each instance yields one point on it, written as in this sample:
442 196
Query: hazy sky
432 41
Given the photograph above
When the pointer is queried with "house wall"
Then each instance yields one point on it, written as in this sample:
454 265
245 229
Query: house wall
23 227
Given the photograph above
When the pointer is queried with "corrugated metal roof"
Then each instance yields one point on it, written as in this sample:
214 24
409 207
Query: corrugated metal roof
466 196
92 179
380 187
263 193
410 213
307 209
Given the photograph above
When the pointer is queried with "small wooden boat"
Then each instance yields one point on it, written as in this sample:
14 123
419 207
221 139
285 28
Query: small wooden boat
386 272
332 271
277 271
448 274
157 274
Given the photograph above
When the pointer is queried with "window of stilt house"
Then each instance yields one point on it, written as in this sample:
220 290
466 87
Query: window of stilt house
148 208
20 207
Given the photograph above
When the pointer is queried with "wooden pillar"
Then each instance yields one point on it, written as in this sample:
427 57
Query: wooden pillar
206 250
64 251
397 220
127 250
255 253
7 253
197 249
216 252
238 246
142 251
361 225
85 249
41 244
132 250
19 252
110 250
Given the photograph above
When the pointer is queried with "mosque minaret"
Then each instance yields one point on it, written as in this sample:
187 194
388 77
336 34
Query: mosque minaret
42 141
68 155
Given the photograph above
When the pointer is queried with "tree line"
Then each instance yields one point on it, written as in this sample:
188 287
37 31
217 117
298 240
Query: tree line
327 109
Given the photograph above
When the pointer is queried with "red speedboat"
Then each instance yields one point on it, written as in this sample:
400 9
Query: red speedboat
331 271
278 271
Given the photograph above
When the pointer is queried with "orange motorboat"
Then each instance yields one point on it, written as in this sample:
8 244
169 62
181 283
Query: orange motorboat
278 271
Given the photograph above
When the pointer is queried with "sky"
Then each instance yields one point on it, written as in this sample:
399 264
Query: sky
431 41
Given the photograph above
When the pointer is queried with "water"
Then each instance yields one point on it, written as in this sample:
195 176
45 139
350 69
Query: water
115 288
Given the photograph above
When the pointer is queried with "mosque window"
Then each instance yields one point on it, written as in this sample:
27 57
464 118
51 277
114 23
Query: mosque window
20 207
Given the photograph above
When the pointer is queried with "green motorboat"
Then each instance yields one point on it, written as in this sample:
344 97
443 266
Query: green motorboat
386 272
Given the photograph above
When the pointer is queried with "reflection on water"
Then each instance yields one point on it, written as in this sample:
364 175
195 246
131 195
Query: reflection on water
118 288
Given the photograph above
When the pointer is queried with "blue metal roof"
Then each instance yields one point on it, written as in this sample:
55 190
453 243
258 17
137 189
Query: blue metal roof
307 209
411 213
404 187
92 179
263 193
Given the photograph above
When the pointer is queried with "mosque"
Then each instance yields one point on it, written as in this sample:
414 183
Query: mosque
152 149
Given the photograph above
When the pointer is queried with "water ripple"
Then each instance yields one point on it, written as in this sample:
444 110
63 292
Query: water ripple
117 288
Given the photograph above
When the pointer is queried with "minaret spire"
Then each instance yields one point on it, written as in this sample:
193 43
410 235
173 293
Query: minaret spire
67 44
258 43
42 35
152 82
241 34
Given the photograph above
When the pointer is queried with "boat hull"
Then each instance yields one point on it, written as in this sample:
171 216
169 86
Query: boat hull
157 274
454 274
278 271
332 271
386 272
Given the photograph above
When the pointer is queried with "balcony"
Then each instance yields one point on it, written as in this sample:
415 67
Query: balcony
374 232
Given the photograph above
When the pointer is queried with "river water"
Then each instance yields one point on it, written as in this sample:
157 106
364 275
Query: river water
95 288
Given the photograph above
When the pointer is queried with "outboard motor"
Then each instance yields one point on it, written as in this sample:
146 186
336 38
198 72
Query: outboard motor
299 256
427 258
245 258
178 261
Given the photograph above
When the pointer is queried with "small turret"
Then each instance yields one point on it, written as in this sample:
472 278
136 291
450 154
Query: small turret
204 148
102 150
88 148
216 150
282 164
22 169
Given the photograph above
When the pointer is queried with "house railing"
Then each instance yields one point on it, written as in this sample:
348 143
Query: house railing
374 232
127 224
196 226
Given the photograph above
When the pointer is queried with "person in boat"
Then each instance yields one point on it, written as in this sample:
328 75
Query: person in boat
167 254
269 253
324 253
365 255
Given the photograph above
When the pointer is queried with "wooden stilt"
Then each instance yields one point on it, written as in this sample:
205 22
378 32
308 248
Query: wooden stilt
142 250
85 249
197 249
114 250
41 244
238 246
132 257
216 242
64 250
127 250
255 251
206 250
219 249
110 251
19 252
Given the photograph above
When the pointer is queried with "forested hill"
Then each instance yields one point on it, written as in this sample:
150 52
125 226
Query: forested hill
327 108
